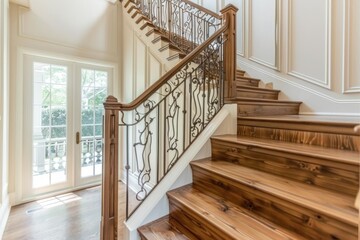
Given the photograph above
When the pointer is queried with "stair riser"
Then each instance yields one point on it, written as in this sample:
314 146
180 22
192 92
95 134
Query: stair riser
328 140
256 94
240 73
247 82
246 109
306 222
194 223
179 226
338 177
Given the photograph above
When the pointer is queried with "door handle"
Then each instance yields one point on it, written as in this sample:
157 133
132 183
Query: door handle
77 137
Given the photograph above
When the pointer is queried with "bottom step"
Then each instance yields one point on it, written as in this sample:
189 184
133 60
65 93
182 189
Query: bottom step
161 229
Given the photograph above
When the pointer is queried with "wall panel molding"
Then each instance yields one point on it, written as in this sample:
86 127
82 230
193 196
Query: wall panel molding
276 64
242 51
326 82
347 86
295 84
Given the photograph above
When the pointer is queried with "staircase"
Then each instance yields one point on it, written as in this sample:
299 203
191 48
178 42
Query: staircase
283 176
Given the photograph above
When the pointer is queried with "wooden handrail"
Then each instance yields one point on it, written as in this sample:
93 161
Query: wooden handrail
159 83
205 10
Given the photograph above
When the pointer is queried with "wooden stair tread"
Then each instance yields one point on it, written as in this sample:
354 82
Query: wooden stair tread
154 30
312 123
257 89
161 229
177 56
338 206
330 154
161 38
261 101
248 78
169 46
321 119
229 218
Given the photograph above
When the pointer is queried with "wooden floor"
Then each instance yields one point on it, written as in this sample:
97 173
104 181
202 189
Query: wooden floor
71 216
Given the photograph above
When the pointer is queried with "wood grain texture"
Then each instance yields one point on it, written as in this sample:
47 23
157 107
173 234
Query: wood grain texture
240 72
328 140
327 124
161 229
212 217
244 81
339 176
71 216
312 212
255 92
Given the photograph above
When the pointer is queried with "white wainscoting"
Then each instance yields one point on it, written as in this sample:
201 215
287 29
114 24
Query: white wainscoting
351 48
312 45
263 32
309 43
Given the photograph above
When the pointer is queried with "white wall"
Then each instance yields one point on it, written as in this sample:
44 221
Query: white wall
4 113
309 49
84 31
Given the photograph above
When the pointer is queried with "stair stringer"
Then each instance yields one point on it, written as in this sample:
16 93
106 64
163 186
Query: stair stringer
155 205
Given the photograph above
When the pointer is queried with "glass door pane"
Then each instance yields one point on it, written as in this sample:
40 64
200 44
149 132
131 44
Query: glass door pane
93 94
49 124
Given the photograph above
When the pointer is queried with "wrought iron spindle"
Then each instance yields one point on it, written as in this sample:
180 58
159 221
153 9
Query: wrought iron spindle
196 85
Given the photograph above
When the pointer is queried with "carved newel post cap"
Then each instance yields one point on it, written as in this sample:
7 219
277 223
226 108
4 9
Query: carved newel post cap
229 7
111 98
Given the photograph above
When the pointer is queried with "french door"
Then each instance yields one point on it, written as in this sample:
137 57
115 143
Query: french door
63 106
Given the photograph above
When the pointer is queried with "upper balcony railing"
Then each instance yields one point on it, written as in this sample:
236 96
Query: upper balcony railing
156 128
185 23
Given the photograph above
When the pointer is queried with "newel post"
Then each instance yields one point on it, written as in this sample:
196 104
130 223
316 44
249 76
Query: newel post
229 18
109 193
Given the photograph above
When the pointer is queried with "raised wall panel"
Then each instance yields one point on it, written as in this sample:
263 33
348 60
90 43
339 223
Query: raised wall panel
309 26
263 32
128 63
140 67
154 69
240 25
351 63
213 5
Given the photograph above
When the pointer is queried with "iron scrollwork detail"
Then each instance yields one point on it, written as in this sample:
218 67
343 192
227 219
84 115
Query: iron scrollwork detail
163 126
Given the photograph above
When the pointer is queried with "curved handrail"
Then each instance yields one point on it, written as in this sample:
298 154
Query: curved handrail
154 87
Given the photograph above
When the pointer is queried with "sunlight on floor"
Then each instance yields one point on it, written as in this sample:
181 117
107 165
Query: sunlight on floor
55 201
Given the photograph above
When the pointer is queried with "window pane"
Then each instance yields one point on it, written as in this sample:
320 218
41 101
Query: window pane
87 77
87 116
98 115
58 116
58 74
87 131
49 124
94 91
101 79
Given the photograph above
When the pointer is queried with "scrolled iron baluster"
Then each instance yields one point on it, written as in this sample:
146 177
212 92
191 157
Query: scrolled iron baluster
172 121
143 145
